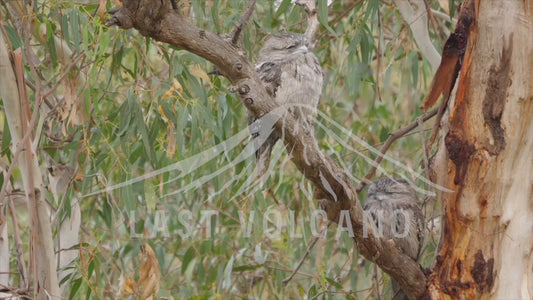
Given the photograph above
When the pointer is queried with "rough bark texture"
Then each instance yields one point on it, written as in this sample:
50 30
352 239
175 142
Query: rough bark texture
486 157
158 20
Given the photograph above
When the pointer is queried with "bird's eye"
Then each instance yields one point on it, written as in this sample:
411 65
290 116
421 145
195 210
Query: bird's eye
292 46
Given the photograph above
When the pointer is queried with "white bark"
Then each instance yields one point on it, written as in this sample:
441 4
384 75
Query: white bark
31 176
487 240
4 257
4 251
69 236
415 14
509 24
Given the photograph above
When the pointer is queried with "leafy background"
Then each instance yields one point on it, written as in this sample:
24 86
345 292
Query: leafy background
145 105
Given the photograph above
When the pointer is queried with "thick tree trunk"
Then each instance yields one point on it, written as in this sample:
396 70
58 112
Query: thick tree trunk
486 157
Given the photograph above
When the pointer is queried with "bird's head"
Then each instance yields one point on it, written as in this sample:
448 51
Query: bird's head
396 188
281 45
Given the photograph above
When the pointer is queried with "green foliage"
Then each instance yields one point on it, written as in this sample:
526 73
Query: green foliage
150 106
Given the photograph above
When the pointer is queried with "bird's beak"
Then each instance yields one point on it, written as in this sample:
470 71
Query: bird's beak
380 197
302 49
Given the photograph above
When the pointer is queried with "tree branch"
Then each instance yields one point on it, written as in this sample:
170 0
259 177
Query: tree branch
336 192
45 275
416 17
307 252
393 137
236 35
312 17
18 245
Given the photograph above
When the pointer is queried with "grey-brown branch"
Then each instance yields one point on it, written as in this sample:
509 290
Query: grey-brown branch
158 20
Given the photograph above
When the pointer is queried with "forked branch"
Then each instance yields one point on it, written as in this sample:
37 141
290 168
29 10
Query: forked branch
158 20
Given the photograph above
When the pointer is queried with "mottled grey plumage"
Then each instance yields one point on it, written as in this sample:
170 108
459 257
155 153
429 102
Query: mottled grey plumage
393 206
291 73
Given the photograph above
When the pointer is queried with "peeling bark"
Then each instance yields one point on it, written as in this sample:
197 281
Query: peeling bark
485 250
483 272
46 284
494 102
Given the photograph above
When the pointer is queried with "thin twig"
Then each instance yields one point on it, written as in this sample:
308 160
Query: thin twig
73 63
312 17
393 137
431 18
18 245
440 114
344 13
19 293
424 149
245 17
380 30
46 100
307 252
